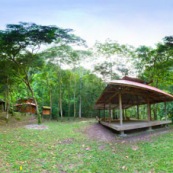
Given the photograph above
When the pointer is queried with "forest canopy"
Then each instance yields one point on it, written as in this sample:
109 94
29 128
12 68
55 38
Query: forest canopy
53 66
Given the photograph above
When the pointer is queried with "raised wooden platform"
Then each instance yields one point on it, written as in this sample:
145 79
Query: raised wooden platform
135 124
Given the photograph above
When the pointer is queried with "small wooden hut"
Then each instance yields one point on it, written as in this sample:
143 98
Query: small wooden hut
125 93
2 105
46 110
26 106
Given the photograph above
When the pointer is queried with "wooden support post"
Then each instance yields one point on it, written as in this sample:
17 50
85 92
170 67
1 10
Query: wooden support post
125 113
122 134
111 113
110 110
120 108
99 116
166 118
149 111
137 109
155 111
104 111
144 112
150 129
149 115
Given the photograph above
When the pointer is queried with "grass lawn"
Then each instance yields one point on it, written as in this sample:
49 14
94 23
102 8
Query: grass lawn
63 147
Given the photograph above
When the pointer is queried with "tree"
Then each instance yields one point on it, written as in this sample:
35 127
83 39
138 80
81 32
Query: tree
65 55
58 55
7 81
20 43
114 59
75 59
155 64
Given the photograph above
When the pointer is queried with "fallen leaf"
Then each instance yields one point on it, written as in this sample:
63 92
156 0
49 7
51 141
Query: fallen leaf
123 167
88 148
135 148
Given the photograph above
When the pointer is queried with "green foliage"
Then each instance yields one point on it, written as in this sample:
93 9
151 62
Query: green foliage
31 71
18 37
114 59
155 65
20 45
91 87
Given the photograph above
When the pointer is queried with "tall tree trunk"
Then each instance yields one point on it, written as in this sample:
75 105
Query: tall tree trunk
69 105
80 106
74 97
69 100
7 101
60 91
60 102
50 99
74 106
35 100
80 101
50 95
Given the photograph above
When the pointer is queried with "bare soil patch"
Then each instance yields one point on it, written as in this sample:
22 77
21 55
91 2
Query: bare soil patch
99 132
36 127
15 123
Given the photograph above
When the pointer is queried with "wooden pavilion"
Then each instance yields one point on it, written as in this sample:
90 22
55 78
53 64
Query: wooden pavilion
125 93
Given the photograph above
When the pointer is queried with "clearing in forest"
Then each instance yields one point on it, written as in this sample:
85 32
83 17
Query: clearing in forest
83 146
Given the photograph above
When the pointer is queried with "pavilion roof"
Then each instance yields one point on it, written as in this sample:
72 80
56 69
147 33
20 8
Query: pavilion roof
133 93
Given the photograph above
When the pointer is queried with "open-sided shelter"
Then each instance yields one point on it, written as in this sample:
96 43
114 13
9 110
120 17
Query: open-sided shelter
128 92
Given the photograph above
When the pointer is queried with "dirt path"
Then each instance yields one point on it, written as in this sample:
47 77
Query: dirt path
100 133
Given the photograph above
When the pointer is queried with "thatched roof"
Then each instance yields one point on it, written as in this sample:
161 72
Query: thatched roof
133 93
46 107
22 100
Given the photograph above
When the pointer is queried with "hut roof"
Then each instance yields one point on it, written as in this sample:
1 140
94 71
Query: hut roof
22 100
133 93
46 107
32 104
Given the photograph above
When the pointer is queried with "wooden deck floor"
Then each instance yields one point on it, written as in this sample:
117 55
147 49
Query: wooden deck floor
130 125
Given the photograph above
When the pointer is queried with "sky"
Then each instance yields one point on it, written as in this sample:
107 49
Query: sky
133 22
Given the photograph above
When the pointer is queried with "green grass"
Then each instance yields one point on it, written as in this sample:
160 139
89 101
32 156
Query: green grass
64 148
